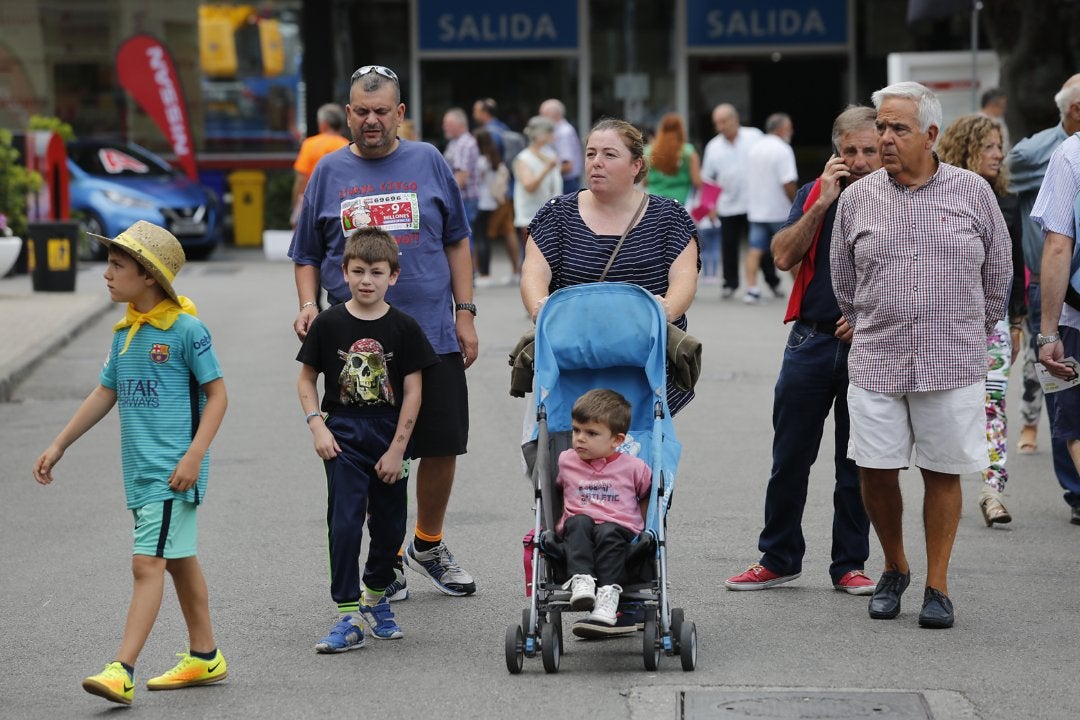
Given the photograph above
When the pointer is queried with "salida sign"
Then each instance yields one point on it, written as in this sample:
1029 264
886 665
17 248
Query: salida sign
147 72
727 23
498 26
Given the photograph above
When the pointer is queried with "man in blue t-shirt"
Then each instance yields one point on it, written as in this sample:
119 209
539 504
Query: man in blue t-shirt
813 379
407 189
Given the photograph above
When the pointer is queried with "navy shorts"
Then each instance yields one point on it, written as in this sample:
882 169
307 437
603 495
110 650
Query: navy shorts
442 428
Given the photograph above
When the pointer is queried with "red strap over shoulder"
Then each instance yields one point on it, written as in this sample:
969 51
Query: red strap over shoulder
806 269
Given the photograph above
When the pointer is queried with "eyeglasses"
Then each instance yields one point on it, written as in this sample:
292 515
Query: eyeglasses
378 69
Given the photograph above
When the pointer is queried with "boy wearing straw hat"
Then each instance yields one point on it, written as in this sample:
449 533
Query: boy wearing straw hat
163 374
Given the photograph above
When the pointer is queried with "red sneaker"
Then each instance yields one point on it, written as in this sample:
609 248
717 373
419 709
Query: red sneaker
758 577
855 583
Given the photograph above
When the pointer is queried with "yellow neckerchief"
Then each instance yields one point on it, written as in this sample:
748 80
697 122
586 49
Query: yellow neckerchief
162 317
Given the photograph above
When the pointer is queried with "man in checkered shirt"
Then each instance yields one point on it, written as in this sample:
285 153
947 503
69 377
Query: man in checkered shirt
921 266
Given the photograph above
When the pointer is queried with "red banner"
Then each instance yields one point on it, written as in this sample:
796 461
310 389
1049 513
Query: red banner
146 70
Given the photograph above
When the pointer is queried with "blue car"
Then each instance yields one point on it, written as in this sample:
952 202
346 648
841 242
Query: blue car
114 184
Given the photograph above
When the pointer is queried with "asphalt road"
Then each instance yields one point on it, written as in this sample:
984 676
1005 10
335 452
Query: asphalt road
65 580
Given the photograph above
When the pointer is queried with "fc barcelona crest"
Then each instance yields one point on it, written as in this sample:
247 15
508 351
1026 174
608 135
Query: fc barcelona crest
159 353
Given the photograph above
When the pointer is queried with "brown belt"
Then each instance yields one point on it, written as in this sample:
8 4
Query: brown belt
1034 278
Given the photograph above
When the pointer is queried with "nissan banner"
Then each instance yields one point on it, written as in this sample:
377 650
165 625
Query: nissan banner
146 70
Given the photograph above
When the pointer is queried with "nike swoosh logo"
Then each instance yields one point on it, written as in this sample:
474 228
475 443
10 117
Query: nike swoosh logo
214 668
128 688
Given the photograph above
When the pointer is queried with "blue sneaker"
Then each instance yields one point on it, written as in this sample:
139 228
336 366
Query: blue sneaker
380 618
439 566
343 637
397 590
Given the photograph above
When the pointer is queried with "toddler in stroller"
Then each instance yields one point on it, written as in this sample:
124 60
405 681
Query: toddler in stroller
605 498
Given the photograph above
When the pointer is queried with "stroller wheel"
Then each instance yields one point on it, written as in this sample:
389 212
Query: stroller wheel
688 646
650 649
515 649
676 627
550 647
555 618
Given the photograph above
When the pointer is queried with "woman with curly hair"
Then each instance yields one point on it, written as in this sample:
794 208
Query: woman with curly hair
974 142
674 165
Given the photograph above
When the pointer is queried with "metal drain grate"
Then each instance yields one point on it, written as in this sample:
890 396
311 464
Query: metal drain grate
795 705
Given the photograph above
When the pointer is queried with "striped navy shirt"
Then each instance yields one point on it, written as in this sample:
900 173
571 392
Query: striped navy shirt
922 277
577 255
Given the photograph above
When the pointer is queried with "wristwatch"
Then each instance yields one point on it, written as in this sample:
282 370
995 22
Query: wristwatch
1041 339
471 307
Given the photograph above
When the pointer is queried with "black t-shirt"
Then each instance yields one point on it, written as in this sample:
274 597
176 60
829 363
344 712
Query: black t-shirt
364 362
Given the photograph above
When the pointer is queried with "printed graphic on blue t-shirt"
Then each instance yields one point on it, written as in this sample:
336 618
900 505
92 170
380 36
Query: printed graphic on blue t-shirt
393 212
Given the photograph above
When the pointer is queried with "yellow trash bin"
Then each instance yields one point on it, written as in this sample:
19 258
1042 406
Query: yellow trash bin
247 194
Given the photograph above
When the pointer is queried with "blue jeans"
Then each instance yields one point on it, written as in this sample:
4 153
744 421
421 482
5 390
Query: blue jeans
813 379
710 251
1064 468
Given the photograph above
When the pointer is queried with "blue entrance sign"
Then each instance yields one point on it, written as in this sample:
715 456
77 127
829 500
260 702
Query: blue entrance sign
763 24
497 25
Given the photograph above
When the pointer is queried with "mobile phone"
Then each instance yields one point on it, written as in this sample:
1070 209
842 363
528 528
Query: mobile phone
843 180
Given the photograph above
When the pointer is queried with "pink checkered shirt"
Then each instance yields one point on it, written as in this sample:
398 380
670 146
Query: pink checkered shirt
922 277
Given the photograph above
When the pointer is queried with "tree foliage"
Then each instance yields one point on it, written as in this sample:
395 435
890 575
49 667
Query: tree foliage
1039 47
16 182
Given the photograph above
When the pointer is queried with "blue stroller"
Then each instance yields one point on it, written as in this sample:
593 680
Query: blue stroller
610 335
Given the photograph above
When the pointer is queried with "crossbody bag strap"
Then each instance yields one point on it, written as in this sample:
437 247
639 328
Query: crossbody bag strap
633 220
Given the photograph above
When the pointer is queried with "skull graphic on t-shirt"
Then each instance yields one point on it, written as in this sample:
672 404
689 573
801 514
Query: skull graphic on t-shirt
364 379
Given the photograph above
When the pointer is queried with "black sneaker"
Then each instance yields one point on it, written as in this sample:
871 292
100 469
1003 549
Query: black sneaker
628 620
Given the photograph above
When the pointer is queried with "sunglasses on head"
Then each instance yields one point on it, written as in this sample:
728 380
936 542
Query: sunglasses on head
378 69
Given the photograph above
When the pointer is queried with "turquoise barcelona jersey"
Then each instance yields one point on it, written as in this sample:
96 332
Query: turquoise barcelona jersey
158 384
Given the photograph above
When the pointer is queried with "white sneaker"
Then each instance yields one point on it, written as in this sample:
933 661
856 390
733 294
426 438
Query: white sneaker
582 591
607 602
752 296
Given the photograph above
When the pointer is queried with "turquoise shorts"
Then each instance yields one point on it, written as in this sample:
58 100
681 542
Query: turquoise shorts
165 529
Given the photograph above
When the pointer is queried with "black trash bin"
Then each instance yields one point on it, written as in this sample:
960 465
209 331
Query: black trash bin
52 262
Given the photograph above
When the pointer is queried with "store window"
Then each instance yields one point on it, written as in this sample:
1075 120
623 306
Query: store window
633 64
249 61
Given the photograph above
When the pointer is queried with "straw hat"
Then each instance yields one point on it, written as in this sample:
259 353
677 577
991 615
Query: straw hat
155 249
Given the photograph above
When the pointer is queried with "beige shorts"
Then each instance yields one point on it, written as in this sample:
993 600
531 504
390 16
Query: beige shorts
946 427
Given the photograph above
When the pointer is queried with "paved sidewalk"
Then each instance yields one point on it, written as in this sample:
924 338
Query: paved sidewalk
35 324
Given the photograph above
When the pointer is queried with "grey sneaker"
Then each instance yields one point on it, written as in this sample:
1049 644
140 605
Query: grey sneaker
438 566
397 590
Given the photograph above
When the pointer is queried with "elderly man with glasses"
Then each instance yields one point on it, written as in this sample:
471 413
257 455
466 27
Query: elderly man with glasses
407 189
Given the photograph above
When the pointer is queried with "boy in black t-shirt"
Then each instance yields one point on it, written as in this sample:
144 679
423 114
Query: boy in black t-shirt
371 356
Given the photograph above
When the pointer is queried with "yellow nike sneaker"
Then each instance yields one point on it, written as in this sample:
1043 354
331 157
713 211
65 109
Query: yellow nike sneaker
190 671
113 683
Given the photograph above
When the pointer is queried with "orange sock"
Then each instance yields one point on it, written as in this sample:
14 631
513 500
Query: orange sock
422 541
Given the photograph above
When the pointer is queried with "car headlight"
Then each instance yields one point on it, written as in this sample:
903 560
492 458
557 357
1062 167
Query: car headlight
120 198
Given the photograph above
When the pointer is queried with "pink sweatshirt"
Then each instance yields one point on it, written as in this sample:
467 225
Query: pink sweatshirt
606 489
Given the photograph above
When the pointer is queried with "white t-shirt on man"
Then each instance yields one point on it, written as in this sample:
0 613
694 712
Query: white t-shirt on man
770 165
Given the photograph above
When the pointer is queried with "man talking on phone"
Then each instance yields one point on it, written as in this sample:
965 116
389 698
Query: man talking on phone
814 378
